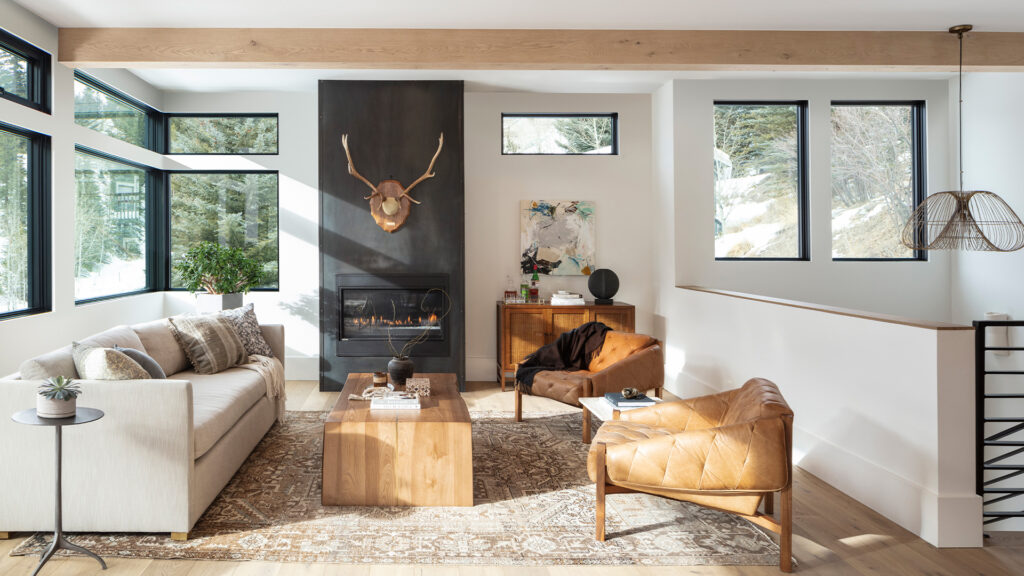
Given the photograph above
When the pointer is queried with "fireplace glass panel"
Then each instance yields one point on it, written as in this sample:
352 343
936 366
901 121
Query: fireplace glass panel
369 314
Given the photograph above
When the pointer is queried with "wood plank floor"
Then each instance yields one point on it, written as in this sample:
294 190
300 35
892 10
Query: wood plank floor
834 536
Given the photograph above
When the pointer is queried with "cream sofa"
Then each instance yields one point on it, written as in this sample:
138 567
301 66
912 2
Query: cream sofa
157 459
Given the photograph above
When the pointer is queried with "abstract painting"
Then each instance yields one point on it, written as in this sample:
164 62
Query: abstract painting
557 236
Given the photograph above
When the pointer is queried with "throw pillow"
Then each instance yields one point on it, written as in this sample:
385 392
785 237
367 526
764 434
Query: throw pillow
248 328
98 363
209 341
148 363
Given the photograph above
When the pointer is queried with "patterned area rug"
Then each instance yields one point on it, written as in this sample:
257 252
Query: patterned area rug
534 505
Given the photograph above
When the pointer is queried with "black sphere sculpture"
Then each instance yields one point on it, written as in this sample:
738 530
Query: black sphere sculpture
603 284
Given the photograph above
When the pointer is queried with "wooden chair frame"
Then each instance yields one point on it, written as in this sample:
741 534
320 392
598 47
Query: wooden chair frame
783 526
587 393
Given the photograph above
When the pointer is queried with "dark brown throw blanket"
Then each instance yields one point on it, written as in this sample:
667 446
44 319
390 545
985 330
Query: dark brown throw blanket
572 351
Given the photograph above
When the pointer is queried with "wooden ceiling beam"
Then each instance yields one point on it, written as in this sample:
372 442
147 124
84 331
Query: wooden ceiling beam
463 49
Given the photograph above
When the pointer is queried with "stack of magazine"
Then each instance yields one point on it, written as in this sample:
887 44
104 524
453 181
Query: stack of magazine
563 298
619 402
396 401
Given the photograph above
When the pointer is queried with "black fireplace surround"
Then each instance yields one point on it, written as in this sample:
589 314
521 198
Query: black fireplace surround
373 281
374 307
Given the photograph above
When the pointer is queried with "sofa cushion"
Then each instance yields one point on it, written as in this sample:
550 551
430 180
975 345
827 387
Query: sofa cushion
98 363
145 360
617 346
158 341
60 362
209 341
219 400
248 328
558 385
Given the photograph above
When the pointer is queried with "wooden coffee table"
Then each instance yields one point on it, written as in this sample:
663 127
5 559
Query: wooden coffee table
399 457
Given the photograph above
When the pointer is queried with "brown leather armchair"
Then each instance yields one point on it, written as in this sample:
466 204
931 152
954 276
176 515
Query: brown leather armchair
625 360
729 451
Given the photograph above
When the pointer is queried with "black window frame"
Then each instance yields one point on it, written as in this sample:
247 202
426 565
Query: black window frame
40 284
156 215
614 116
154 138
919 173
803 182
40 71
168 116
167 223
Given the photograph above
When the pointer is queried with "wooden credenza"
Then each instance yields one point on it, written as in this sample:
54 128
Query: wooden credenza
522 328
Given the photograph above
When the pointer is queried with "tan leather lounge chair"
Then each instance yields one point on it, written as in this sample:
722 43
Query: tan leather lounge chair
626 360
727 451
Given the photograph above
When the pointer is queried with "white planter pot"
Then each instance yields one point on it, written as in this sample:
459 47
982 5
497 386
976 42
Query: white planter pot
48 408
216 302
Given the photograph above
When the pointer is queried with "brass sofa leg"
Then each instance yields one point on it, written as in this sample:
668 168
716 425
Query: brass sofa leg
786 536
769 503
179 536
519 402
5 535
599 464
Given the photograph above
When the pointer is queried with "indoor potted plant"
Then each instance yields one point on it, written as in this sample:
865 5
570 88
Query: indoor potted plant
401 367
57 398
217 275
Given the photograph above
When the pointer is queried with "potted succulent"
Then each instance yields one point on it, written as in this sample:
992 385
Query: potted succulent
217 275
57 398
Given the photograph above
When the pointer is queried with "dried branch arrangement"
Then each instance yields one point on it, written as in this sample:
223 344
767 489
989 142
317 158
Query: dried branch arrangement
407 348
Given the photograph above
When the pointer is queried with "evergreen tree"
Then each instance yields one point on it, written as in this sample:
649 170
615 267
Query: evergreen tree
586 134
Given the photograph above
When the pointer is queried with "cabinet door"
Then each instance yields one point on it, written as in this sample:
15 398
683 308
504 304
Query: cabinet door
526 333
565 320
619 320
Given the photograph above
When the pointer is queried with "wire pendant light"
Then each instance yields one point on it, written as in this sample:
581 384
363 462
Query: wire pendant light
964 220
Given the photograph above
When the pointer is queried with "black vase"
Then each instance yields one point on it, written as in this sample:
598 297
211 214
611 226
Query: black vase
400 369
603 284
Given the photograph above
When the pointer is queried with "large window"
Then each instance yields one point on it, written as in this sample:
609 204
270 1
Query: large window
24 222
236 209
110 227
24 73
101 108
760 180
222 134
595 134
877 178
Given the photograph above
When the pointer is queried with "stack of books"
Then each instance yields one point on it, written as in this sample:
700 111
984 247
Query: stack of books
563 298
396 401
618 402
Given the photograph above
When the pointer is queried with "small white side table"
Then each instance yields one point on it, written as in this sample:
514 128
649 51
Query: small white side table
604 411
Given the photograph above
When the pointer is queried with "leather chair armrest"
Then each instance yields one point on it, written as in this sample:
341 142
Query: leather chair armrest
697 413
643 370
745 457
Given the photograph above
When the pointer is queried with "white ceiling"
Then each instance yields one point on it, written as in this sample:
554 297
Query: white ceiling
556 81
987 15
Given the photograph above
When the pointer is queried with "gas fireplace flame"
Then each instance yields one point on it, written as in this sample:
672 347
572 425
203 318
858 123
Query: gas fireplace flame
409 320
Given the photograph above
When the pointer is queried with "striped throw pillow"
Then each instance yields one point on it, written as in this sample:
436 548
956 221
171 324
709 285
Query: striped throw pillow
209 341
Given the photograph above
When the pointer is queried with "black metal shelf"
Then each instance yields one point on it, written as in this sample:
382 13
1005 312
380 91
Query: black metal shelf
995 439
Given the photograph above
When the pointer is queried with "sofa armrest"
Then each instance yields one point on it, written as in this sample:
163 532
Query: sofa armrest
744 457
643 370
130 471
274 335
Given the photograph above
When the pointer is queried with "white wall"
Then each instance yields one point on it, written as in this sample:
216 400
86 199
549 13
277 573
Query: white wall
913 289
297 303
21 338
620 187
991 281
883 411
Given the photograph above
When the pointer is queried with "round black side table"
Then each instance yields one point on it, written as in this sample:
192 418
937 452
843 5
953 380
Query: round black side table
82 416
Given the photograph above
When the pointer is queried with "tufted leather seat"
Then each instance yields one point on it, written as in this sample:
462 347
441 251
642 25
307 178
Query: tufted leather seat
727 451
625 360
